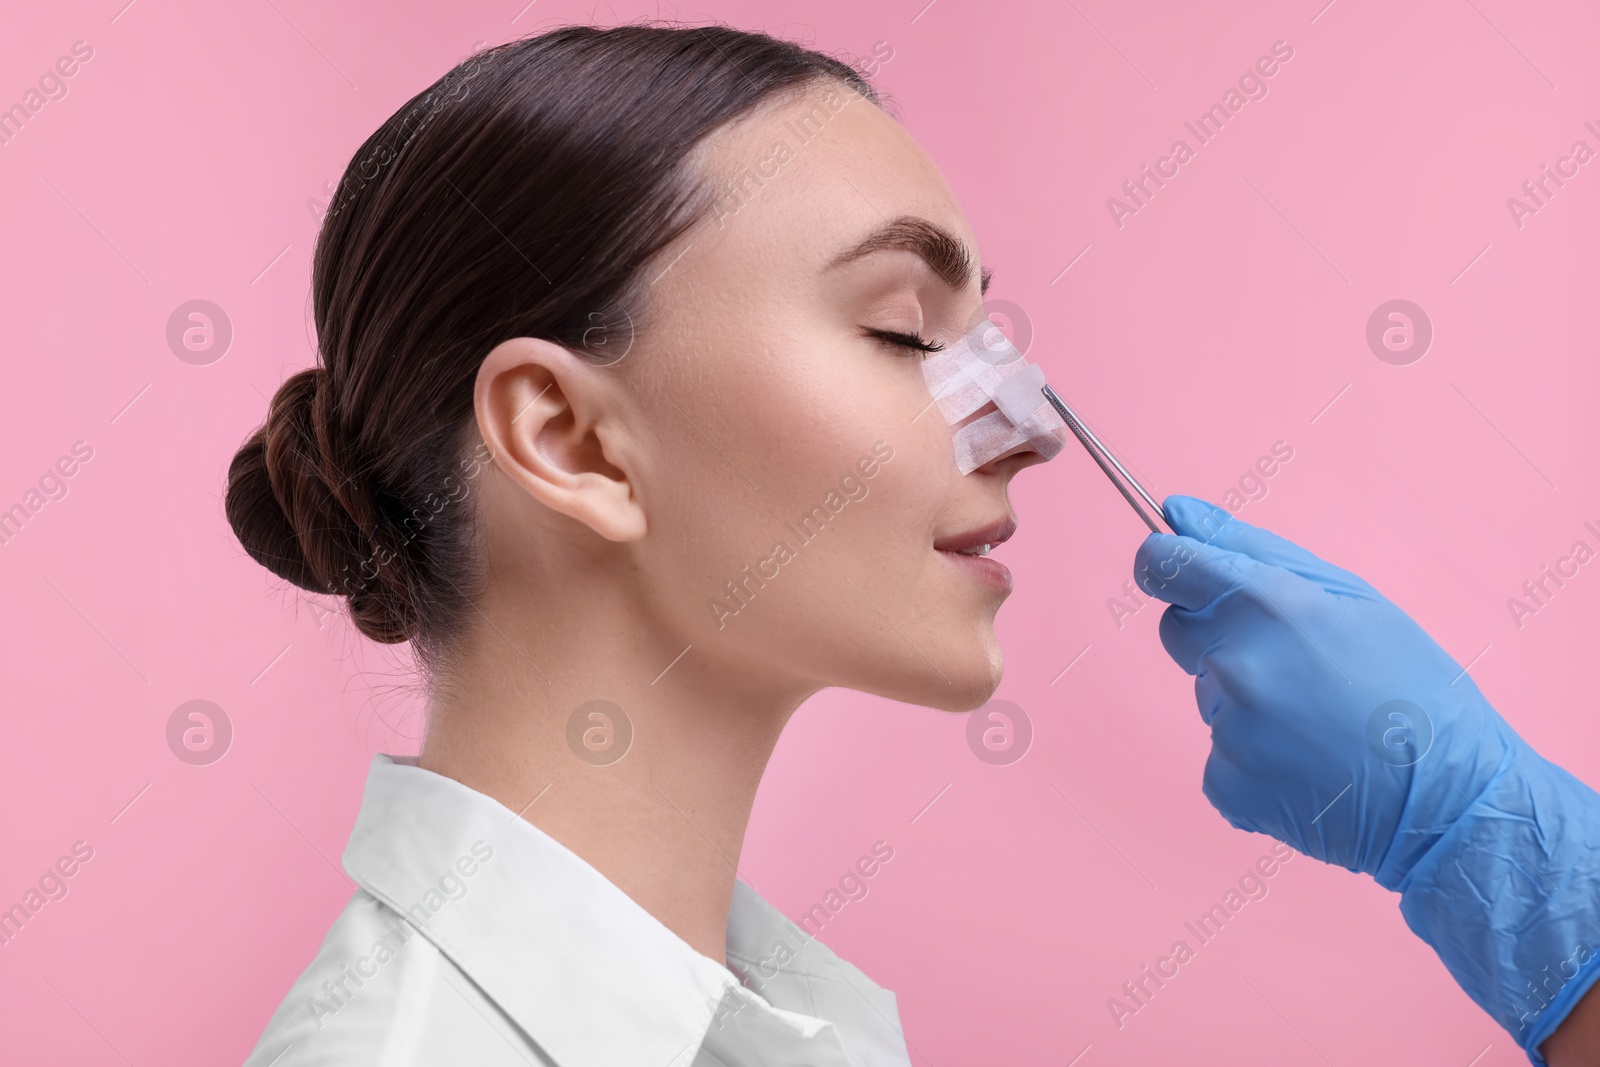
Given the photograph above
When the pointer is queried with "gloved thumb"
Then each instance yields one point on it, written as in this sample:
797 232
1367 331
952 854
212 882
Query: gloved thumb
1187 572
1206 522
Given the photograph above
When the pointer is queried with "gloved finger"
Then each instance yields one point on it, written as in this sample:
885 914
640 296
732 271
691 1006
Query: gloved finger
1206 522
1259 779
1208 695
1228 791
1184 641
1223 625
1223 638
1186 572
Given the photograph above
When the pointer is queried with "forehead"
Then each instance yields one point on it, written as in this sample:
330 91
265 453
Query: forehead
803 179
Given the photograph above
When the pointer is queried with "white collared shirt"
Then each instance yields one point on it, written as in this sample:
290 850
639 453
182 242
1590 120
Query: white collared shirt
476 938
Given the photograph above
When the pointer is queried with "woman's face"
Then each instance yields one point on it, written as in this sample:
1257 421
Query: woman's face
801 495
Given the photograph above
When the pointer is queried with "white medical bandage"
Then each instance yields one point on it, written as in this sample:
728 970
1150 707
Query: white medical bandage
982 366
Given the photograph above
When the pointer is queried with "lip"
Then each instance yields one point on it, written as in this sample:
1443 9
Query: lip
985 568
995 533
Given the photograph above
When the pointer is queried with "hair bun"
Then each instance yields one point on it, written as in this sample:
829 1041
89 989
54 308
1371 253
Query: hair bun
284 508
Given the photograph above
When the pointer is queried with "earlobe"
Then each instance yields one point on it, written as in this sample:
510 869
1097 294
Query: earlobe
554 424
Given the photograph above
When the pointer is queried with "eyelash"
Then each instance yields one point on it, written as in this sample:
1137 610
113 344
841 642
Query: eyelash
905 340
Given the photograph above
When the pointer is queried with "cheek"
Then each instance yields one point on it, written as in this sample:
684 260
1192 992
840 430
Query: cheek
883 537
884 423
816 428
745 469
764 504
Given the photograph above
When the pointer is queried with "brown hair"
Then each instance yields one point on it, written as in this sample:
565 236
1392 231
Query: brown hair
522 195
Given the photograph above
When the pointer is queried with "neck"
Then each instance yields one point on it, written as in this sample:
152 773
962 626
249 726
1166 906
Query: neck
666 822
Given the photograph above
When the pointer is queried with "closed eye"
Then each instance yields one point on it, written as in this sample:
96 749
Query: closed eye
904 340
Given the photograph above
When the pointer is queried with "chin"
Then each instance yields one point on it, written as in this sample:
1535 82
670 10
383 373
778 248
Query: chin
970 687
969 670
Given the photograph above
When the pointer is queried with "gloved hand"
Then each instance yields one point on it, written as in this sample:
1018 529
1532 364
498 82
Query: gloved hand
1339 727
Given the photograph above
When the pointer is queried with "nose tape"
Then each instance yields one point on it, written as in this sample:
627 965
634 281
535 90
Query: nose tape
982 366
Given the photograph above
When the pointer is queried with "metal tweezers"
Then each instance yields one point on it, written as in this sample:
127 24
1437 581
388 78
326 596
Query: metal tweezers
1101 455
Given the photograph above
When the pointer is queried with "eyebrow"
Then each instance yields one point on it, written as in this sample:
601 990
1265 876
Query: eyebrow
941 250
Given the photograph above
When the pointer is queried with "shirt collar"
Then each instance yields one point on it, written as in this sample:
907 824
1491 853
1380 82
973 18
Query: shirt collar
574 961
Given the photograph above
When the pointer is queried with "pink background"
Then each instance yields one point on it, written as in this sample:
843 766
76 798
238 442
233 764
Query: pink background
1223 317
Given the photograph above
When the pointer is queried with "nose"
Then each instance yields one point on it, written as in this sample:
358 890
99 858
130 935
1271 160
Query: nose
1007 464
1014 459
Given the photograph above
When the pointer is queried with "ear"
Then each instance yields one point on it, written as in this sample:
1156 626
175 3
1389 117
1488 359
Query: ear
554 424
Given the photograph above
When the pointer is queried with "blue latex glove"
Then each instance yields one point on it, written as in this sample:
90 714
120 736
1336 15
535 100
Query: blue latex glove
1339 727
